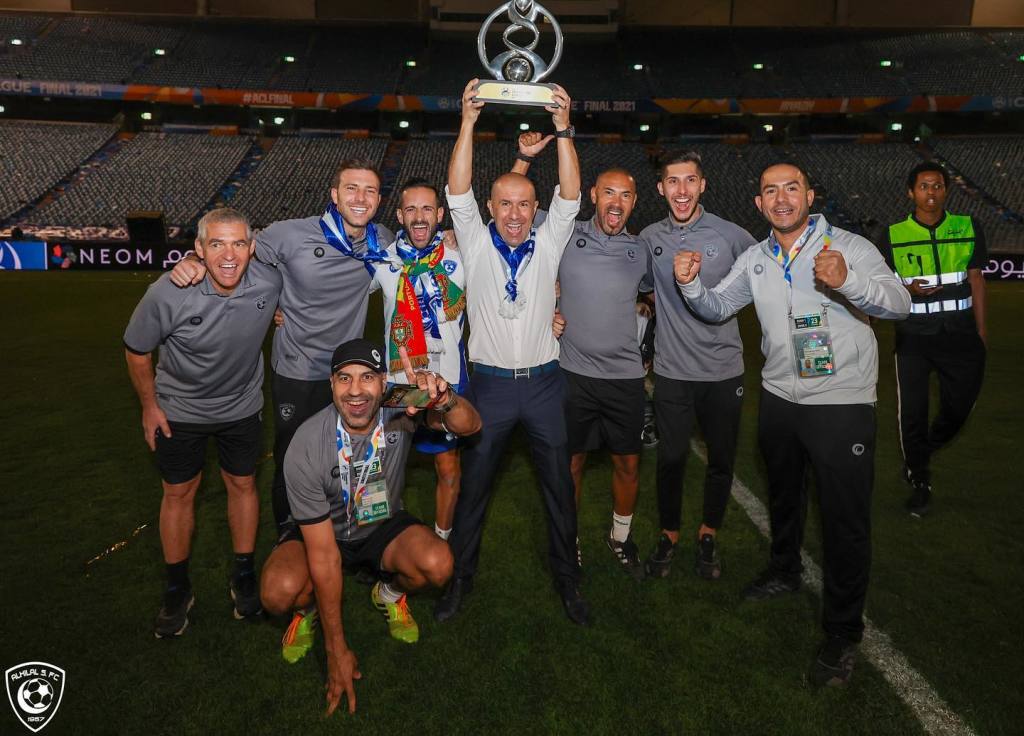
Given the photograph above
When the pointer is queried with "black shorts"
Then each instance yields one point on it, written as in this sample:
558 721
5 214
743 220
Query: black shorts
181 456
604 411
365 553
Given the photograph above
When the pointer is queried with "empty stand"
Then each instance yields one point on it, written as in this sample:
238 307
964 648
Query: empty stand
690 63
177 174
36 156
294 179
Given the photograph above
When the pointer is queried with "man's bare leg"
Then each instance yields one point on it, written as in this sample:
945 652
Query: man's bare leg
449 476
417 558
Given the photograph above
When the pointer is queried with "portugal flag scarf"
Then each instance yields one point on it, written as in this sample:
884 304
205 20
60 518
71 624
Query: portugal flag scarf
426 297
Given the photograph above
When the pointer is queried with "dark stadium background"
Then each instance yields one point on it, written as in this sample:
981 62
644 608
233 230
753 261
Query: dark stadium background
163 110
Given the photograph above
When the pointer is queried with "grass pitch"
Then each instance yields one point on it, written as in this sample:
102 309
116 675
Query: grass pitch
674 656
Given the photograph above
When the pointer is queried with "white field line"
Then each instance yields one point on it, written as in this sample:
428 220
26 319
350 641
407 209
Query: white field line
935 715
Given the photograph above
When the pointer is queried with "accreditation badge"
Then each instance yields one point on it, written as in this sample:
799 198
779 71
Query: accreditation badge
812 345
372 504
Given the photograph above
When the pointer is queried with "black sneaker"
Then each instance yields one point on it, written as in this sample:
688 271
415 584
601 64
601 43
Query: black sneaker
834 664
245 593
708 565
627 554
575 605
659 563
172 620
920 499
769 585
449 604
649 435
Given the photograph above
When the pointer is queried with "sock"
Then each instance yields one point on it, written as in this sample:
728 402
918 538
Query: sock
621 526
177 576
443 533
243 564
388 594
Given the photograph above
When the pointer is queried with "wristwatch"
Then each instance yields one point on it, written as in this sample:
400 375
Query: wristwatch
449 404
569 132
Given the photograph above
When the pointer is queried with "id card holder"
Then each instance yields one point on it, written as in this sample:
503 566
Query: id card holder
812 345
372 504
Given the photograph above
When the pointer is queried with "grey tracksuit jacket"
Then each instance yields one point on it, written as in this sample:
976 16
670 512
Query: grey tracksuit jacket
871 289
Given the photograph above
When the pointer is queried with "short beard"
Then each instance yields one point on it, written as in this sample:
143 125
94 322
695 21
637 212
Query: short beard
371 417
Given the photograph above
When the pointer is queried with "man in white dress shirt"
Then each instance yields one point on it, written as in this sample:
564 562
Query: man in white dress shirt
511 268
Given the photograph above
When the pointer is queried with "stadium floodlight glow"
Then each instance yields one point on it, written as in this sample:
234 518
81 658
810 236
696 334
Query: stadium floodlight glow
524 126
1019 58
2 109
410 63
278 120
290 59
758 66
644 128
159 52
638 67
146 116
768 127
403 124
885 63
896 127
16 42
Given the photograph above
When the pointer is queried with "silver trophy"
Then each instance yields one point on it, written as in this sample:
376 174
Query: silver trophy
518 71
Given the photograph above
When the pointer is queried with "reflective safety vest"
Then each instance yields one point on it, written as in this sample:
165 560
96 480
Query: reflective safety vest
937 256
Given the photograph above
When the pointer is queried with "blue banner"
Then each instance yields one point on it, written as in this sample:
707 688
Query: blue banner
22 255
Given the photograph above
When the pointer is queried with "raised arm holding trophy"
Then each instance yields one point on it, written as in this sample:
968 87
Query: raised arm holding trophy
511 268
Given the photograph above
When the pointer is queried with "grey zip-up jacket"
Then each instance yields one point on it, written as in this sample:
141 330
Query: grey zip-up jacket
871 289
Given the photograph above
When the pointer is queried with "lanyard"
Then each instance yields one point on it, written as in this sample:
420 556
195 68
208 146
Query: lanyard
786 259
345 465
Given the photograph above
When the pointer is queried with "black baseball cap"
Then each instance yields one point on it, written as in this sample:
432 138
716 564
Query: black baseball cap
363 352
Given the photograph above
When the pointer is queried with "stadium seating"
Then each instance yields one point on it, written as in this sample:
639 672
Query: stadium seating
869 179
175 173
35 156
89 48
858 185
20 27
294 178
994 163
690 63
225 55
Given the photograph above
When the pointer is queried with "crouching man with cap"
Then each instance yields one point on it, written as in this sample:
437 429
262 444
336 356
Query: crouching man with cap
345 471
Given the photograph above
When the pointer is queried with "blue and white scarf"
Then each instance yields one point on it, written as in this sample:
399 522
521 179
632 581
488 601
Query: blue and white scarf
333 228
515 260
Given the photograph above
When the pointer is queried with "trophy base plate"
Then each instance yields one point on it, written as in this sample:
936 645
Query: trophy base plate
503 92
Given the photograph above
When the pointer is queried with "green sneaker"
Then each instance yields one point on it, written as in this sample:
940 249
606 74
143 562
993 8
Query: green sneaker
299 636
401 624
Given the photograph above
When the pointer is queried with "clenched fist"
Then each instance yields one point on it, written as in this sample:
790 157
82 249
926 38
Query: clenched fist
686 266
830 268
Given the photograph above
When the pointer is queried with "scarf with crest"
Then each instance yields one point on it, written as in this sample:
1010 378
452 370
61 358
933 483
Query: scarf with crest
426 297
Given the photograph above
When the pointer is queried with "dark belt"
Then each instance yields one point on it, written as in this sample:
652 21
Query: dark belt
537 370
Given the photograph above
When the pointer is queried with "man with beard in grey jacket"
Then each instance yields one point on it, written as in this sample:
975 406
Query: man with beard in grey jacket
814 286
